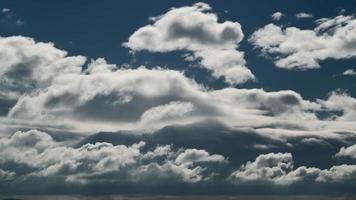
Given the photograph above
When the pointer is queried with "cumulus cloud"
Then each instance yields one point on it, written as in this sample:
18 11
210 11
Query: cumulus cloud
105 97
340 101
349 72
45 158
278 168
349 151
26 65
137 97
164 128
269 167
209 41
298 49
48 87
303 15
277 16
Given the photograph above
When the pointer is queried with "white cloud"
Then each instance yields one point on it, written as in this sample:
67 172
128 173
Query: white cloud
303 15
340 101
277 16
349 151
268 167
190 156
294 48
340 173
349 72
5 10
168 111
47 158
278 168
105 97
26 65
212 42
126 98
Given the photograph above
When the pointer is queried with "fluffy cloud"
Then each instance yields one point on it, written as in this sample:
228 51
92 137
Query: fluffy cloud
340 101
137 98
212 42
278 168
26 65
294 48
277 16
349 72
269 167
347 152
46 158
54 88
105 97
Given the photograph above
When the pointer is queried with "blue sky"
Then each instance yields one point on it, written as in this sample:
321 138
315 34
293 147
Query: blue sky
177 97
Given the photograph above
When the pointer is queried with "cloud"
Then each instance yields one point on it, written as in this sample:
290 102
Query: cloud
137 98
47 87
105 97
297 49
349 151
269 167
209 41
26 65
5 10
340 101
277 16
303 15
349 72
9 19
278 168
34 157
168 111
6 175
43 158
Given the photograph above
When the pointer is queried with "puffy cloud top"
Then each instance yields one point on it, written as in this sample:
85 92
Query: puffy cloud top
213 42
294 48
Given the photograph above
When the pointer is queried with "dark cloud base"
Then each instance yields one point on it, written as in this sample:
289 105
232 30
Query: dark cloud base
239 145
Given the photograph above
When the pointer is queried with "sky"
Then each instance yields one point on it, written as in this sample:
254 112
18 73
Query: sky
177 97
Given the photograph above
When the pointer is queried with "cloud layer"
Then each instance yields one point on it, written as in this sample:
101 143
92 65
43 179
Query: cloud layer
35 157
